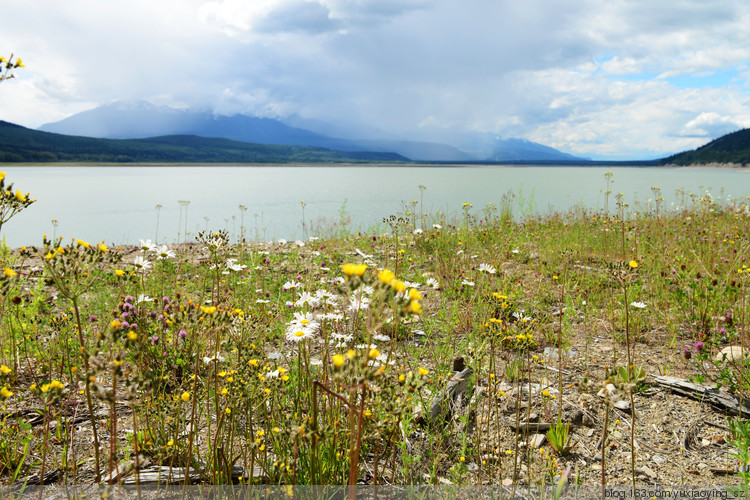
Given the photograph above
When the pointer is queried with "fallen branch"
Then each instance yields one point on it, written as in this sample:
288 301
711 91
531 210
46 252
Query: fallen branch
718 399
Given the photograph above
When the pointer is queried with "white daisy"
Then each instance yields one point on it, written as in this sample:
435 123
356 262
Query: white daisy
163 252
141 264
433 283
486 268
638 305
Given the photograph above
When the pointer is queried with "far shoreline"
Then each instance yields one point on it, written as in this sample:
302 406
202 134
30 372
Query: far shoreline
708 166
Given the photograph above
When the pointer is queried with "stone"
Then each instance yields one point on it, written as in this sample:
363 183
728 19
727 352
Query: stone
647 470
658 459
732 353
622 405
537 440
551 353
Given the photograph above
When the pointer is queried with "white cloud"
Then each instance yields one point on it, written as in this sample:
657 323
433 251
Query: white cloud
588 77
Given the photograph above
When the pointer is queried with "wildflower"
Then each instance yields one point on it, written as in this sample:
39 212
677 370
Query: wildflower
545 393
119 273
467 283
103 248
298 335
147 245
291 284
374 353
115 325
132 336
437 226
142 264
185 396
338 360
423 371
417 231
143 298
486 268
386 276
9 273
5 370
306 298
638 305
5 393
208 309
163 252
170 442
414 294
415 307
433 283
633 264
232 265
20 196
699 346
354 269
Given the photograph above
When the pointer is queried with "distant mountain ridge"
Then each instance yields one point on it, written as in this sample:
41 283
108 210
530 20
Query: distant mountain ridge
731 148
129 120
20 144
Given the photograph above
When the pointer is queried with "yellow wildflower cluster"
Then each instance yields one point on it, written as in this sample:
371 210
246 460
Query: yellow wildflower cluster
11 202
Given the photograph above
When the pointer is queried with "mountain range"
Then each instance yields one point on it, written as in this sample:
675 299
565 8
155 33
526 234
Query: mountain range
139 120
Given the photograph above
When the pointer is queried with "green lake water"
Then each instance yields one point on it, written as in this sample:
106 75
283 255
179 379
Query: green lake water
118 204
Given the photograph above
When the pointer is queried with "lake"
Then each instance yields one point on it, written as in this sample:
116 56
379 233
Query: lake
119 204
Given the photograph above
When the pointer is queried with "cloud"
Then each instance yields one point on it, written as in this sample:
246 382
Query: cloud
589 77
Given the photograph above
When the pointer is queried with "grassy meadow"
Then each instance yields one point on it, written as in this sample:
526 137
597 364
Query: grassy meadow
325 361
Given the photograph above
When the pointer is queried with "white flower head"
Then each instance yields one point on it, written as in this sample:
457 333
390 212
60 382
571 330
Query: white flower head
163 252
146 245
638 305
232 265
487 268
467 283
433 283
437 226
418 231
141 264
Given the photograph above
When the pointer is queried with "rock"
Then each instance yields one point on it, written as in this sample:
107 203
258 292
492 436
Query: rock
658 459
647 470
732 352
551 353
622 405
537 440
611 389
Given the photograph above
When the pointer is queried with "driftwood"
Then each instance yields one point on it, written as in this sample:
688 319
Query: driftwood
721 400
162 475
444 403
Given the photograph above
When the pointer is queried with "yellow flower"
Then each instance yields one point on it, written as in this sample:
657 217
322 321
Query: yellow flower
228 411
374 353
386 276
185 396
423 371
414 294
115 325
83 244
132 336
20 196
119 273
415 307
401 378
399 286
9 273
208 309
545 393
102 248
354 269
170 442
5 370
5 393
338 360
19 63
633 264
2 174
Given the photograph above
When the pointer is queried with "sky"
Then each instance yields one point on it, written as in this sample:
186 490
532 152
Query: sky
614 79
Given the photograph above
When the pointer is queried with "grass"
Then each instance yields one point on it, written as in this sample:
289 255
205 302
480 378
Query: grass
317 362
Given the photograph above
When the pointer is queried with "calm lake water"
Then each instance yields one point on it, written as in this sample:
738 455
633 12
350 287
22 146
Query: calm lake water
118 204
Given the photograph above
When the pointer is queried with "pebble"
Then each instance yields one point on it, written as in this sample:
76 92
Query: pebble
552 353
537 441
647 470
622 405
658 459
